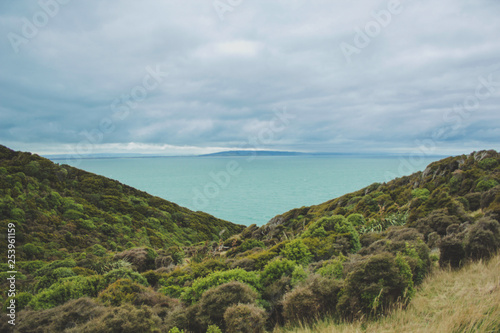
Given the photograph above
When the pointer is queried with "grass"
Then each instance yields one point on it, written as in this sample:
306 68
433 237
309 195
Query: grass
465 300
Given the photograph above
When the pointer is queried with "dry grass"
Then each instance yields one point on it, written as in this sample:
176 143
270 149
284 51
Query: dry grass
467 300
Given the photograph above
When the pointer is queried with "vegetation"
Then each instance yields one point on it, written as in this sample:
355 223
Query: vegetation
95 255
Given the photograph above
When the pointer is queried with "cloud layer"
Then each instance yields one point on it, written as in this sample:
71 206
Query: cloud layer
170 76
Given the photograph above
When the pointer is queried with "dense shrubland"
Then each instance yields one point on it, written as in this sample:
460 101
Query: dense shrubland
99 256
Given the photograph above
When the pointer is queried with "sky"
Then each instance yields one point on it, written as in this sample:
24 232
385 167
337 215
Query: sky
191 77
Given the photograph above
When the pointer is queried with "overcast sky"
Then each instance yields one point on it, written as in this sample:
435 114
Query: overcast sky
183 77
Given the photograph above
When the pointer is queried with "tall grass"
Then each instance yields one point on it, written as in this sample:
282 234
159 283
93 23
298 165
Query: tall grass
465 300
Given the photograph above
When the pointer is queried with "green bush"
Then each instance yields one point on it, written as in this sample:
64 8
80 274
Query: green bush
121 291
64 290
375 285
200 285
488 163
245 318
483 239
54 276
276 269
356 220
214 302
486 184
333 269
122 273
421 193
213 329
58 319
452 251
123 319
319 296
142 258
297 251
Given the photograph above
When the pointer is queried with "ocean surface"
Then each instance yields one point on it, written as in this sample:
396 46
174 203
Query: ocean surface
248 190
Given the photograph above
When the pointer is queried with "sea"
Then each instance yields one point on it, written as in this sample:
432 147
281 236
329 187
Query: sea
252 189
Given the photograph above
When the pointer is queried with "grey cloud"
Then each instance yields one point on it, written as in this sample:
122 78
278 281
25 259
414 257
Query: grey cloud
226 77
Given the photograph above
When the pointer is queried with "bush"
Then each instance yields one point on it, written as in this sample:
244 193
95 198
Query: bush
483 239
213 329
374 286
356 220
332 269
200 285
59 319
64 290
297 251
122 273
276 269
488 163
299 305
214 302
317 297
245 318
54 276
486 184
124 319
142 258
121 291
452 251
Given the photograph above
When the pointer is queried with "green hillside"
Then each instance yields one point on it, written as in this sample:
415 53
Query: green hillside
98 256
59 210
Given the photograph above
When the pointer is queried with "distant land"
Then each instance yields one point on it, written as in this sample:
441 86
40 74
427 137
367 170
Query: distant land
56 157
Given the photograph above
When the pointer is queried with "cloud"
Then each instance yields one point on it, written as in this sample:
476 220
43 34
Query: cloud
226 78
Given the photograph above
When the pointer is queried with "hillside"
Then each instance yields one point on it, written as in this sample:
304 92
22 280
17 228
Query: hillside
98 256
59 210
455 186
448 301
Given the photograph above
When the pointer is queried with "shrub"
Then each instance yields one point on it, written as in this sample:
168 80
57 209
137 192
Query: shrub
421 193
250 244
45 270
214 302
121 291
59 319
54 276
64 290
483 239
317 297
245 318
488 163
299 304
142 258
200 285
299 275
452 251
276 269
374 286
333 269
486 184
123 319
297 251
213 329
207 266
356 220
22 299
122 273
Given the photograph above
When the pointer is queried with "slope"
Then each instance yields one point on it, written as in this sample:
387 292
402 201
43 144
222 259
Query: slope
58 209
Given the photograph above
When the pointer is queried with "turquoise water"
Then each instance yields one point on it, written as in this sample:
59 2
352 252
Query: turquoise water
244 190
